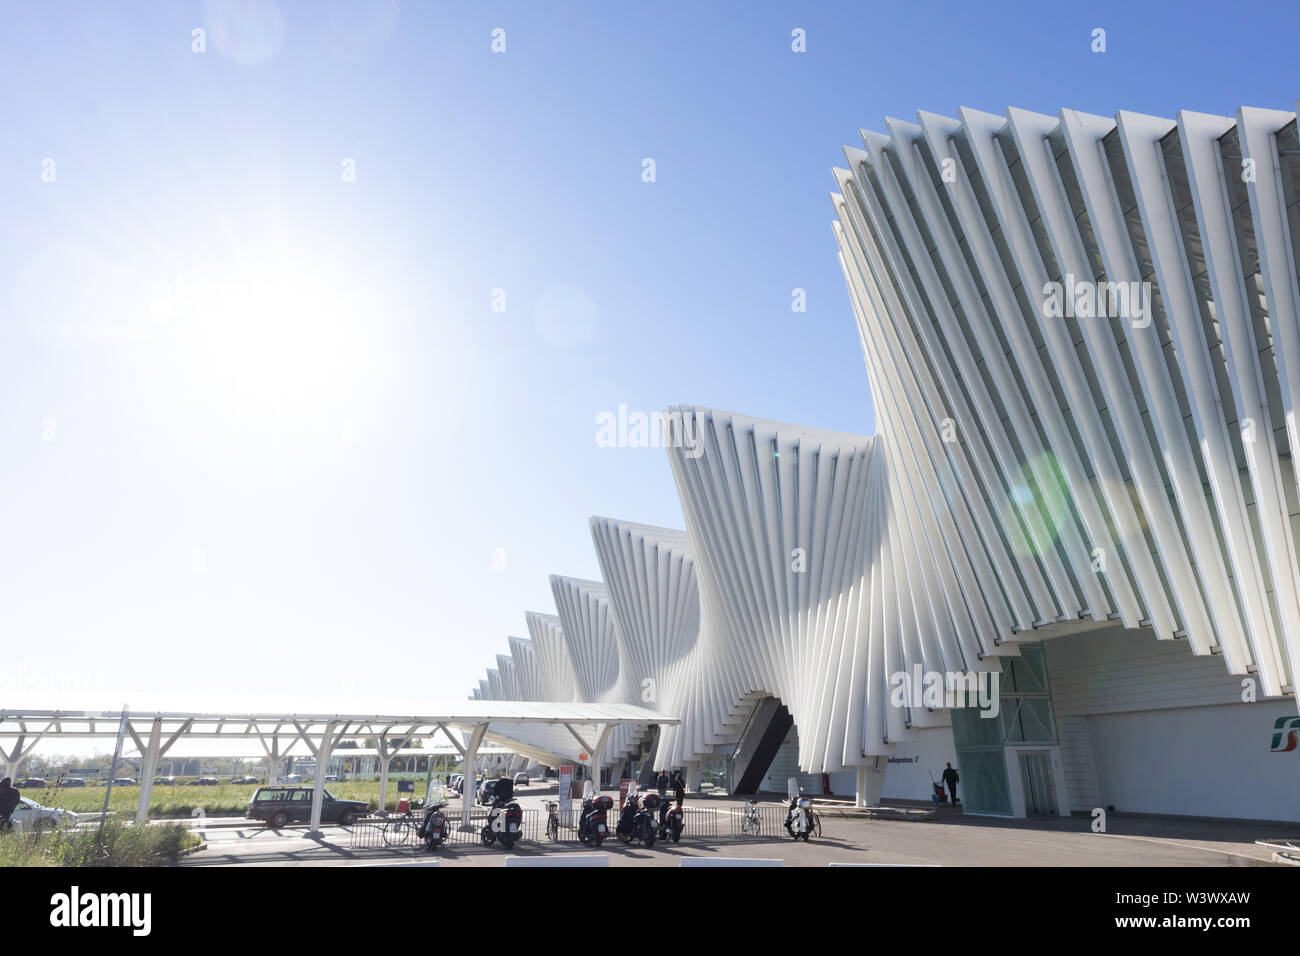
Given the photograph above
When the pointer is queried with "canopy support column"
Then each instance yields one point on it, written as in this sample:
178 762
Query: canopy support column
14 758
871 781
597 754
322 755
148 765
385 758
467 785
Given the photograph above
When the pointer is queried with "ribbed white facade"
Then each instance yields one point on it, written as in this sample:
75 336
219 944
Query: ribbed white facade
1129 466
1082 342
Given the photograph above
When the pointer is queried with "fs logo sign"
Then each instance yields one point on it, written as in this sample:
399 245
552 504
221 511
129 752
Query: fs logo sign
1286 735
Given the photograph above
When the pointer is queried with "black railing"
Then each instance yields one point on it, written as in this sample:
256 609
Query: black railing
392 830
379 831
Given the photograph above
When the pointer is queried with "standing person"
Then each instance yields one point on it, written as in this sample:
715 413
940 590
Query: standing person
679 787
662 783
8 800
950 778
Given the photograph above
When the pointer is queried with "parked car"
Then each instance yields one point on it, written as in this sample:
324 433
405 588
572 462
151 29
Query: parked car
454 781
30 815
279 805
331 779
292 778
32 783
521 779
244 780
72 782
123 782
486 791
164 781
204 782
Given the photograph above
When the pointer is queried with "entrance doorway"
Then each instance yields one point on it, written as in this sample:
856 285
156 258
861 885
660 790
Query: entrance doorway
1040 791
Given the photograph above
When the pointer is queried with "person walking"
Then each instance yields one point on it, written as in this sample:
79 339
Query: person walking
662 783
950 778
8 801
679 787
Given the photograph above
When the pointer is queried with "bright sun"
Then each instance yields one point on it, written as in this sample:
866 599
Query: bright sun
280 338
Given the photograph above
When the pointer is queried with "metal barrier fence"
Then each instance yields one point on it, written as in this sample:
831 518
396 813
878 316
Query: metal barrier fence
478 820
758 822
764 822
380 831
699 823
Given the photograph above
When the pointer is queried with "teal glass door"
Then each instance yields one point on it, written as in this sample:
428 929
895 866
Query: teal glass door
1040 793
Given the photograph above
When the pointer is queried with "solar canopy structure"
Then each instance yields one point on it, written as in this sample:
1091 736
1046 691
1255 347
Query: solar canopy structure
567 732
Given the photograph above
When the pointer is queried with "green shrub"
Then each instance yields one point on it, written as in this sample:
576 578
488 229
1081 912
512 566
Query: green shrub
117 843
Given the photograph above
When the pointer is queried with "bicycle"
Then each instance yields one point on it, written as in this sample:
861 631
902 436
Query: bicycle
397 831
552 820
752 821
814 825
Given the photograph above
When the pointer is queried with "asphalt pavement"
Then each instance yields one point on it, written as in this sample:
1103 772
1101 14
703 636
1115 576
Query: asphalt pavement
945 839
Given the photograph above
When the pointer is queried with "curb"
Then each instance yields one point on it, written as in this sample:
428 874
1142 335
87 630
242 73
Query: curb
878 813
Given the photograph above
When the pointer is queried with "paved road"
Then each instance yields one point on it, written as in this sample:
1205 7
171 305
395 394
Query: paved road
949 841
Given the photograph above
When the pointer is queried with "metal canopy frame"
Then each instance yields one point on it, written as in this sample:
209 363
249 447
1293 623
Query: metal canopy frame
155 732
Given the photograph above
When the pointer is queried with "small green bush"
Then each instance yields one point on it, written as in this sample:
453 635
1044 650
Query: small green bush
118 843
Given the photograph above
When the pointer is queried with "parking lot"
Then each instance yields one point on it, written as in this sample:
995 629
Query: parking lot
948 839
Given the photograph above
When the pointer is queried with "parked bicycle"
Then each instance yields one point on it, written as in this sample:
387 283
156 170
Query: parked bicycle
397 831
752 821
552 819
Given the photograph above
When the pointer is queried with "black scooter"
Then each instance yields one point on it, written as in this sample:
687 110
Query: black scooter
672 821
504 823
636 821
593 824
433 829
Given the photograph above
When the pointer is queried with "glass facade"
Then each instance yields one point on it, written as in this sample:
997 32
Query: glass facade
1024 717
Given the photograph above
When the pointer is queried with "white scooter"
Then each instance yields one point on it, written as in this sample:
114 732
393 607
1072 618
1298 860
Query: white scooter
799 818
504 824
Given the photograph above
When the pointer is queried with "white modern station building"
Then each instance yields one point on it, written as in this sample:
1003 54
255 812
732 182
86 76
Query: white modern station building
1067 561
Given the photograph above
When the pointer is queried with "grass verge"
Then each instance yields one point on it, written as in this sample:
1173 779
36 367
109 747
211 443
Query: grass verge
118 844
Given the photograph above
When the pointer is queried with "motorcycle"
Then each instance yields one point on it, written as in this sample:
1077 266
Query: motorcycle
433 829
799 818
593 824
504 823
636 821
672 821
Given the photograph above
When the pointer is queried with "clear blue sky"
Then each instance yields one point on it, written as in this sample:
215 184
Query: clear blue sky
261 427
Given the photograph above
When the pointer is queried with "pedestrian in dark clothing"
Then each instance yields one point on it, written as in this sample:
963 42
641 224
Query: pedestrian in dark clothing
679 787
950 778
8 801
663 785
